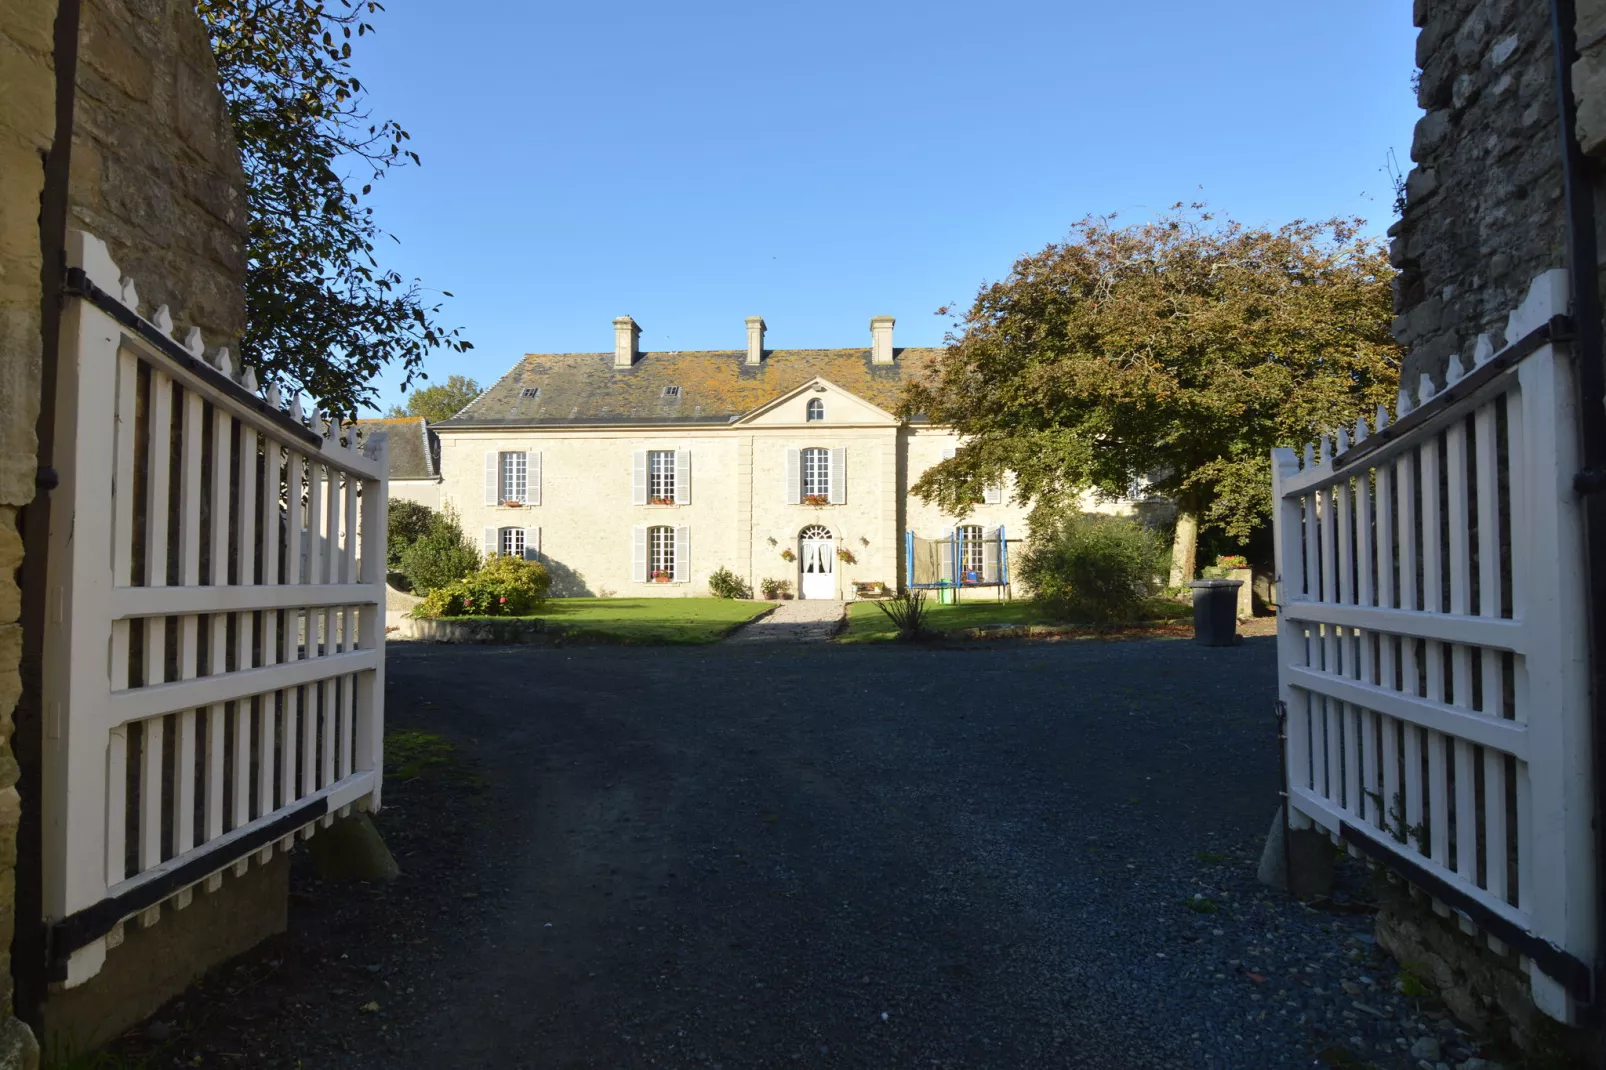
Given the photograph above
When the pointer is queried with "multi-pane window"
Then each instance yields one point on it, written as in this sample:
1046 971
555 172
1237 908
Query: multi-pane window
512 542
661 477
515 477
661 552
970 545
816 409
816 473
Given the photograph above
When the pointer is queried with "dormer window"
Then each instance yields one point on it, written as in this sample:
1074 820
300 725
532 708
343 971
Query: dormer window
816 410
671 391
530 392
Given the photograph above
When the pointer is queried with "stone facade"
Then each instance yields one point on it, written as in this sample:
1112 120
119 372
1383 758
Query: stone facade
27 126
1484 211
743 511
156 172
1485 215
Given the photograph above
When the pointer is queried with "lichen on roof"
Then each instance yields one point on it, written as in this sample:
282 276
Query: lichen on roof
715 385
413 450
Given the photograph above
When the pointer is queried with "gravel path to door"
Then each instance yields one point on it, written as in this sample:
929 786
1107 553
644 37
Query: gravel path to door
811 620
999 856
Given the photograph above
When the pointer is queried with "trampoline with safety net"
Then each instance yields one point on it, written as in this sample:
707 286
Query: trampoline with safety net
967 557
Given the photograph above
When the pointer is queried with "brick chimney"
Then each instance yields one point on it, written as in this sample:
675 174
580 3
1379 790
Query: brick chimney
626 342
755 339
881 339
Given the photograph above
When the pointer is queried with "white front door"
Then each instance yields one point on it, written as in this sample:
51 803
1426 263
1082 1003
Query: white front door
818 560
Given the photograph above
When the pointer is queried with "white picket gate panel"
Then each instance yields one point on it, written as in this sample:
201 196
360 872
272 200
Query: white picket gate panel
211 689
1433 655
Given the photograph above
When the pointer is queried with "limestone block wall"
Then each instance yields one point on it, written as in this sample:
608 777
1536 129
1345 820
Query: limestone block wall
739 516
423 491
586 516
864 524
27 125
156 171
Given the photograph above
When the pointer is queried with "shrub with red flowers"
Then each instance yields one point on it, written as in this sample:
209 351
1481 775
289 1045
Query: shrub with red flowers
505 587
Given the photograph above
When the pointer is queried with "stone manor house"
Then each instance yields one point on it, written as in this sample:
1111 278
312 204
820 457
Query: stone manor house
638 473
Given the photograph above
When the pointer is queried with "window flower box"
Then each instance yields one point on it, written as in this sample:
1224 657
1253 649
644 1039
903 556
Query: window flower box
816 500
660 499
662 577
512 503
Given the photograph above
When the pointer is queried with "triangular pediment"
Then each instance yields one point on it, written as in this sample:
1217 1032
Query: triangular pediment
843 408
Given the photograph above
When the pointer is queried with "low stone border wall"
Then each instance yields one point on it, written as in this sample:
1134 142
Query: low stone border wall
1065 631
511 630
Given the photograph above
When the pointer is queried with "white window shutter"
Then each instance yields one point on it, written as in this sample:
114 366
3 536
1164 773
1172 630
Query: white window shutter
493 542
794 477
638 553
839 476
946 557
638 478
989 554
532 478
683 477
993 494
493 479
532 544
682 554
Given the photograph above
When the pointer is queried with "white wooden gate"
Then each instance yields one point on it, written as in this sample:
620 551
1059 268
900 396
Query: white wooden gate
1433 649
214 647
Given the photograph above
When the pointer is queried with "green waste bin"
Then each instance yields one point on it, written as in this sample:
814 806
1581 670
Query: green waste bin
1215 611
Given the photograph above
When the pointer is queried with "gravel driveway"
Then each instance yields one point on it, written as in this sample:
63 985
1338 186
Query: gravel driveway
814 856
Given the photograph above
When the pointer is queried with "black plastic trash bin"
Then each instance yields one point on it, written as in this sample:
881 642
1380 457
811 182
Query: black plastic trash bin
1215 611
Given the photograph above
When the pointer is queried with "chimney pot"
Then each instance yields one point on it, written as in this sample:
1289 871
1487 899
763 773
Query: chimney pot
626 341
881 339
755 339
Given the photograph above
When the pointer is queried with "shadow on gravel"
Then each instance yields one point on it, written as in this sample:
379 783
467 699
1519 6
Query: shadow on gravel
1022 855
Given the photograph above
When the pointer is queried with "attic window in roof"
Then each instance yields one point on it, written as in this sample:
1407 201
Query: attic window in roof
671 391
530 392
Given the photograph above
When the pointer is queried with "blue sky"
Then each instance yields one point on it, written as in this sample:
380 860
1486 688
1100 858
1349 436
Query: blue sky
821 163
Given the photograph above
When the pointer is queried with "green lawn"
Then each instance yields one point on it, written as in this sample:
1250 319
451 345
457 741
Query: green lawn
867 624
649 620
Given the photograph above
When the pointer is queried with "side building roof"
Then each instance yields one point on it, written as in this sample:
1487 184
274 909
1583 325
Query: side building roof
712 386
414 449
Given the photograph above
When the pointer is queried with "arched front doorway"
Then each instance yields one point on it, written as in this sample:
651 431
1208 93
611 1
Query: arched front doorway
817 562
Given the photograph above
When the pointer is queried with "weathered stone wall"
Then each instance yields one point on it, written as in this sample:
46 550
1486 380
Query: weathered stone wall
27 122
1589 76
155 173
1484 211
155 169
1485 990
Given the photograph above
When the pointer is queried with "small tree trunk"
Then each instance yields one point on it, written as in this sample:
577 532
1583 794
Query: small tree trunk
1185 545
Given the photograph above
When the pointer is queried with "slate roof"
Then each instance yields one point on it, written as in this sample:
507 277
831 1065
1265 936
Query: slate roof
414 450
715 386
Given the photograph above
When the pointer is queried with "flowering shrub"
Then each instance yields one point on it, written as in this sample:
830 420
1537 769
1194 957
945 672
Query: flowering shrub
505 587
1232 561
